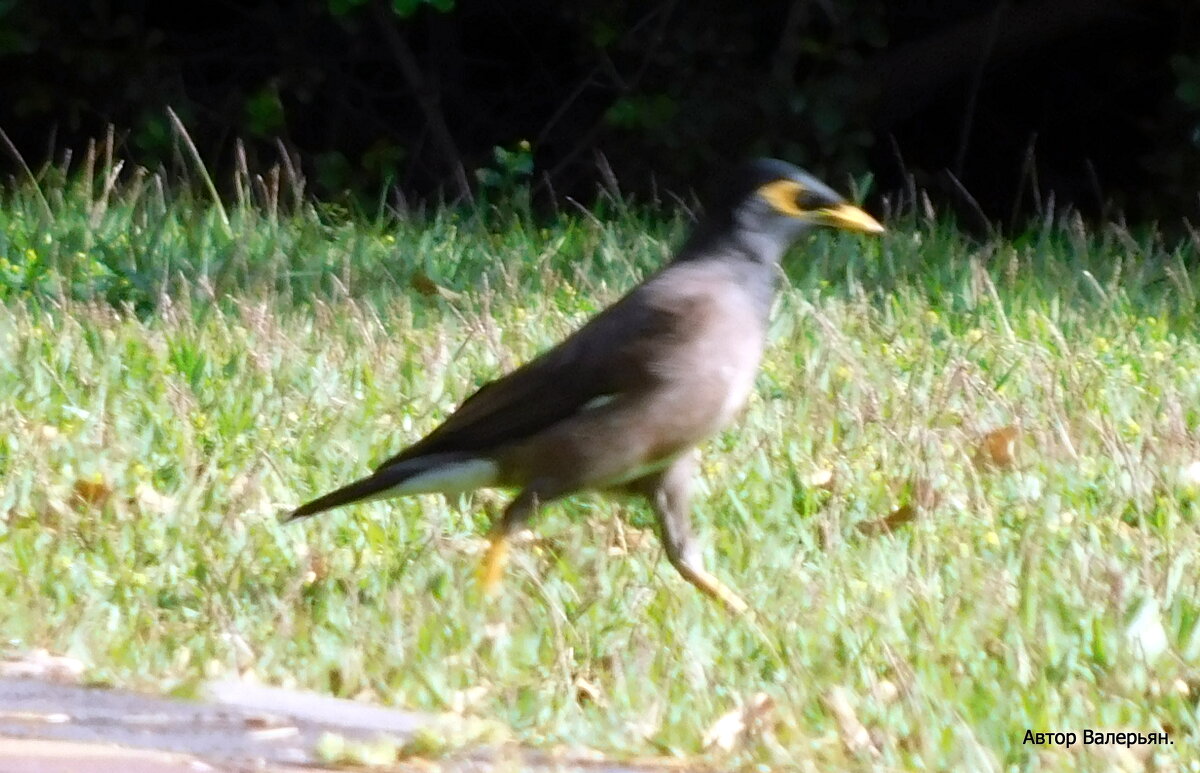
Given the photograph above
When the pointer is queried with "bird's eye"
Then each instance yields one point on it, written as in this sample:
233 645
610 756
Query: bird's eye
807 201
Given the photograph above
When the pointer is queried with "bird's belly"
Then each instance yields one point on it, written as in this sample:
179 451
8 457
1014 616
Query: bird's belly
639 471
725 383
738 384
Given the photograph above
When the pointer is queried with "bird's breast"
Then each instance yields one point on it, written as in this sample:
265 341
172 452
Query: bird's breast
717 372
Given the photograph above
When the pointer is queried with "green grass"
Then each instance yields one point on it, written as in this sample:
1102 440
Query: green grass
194 381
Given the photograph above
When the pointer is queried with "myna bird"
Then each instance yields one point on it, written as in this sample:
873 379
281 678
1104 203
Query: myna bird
622 403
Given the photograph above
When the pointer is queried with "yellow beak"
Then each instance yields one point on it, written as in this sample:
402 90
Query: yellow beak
849 218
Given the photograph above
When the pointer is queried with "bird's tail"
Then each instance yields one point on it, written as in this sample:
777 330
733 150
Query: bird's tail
444 473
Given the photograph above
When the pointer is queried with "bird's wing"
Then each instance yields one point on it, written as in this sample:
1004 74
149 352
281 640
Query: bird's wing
612 354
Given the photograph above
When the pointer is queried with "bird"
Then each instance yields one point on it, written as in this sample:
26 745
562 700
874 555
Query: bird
622 404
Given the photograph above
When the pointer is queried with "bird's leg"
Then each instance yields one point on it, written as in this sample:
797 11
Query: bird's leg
515 515
670 493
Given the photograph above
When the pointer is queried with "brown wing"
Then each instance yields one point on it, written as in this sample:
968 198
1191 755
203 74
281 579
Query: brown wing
607 356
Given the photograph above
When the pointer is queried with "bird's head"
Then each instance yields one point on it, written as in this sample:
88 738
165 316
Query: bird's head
768 204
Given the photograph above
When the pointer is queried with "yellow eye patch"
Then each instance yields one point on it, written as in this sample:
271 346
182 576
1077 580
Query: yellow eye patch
784 196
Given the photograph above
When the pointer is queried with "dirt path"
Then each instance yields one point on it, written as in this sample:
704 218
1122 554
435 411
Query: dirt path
46 727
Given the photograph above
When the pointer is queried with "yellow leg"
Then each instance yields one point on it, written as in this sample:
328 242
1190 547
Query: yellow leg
713 588
492 568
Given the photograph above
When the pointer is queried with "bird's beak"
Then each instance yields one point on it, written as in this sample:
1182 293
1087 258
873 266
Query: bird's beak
850 218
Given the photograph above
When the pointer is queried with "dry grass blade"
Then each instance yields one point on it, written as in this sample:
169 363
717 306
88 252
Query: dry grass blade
735 728
182 131
854 734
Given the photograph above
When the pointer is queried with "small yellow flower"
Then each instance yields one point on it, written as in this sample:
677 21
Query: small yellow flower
974 335
992 538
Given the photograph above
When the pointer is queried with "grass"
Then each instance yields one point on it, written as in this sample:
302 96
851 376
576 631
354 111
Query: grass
168 385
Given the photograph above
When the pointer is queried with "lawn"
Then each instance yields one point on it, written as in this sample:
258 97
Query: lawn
963 499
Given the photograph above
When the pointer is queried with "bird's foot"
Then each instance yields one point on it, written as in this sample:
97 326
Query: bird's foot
492 569
716 590
731 601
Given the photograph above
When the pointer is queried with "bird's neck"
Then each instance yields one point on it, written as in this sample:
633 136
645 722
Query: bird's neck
752 260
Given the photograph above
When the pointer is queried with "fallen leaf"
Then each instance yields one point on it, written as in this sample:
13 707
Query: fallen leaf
854 734
898 517
496 633
1145 631
148 500
262 721
91 492
998 449
919 495
923 494
274 733
318 568
1119 758
587 692
625 539
1189 475
35 717
736 727
822 479
463 701
40 664
421 282
884 692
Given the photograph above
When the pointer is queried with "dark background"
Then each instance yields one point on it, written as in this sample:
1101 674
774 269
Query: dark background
993 107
